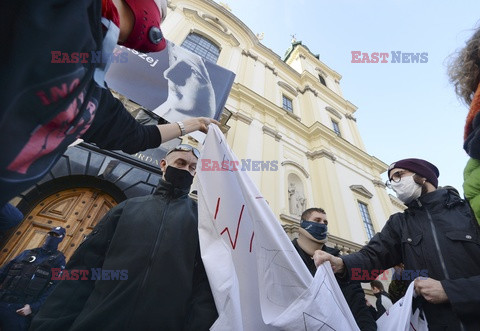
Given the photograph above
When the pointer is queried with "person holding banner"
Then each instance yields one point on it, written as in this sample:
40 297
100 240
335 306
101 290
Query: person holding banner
437 233
312 235
155 239
57 94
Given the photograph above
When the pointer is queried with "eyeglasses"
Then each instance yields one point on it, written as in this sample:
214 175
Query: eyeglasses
185 148
396 177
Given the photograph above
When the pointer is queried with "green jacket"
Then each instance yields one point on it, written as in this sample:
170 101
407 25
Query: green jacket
471 185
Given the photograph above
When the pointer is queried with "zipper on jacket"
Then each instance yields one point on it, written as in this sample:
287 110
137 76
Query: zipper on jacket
437 245
150 261
440 255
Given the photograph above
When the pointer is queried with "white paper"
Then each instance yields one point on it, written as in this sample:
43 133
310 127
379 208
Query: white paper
258 280
399 317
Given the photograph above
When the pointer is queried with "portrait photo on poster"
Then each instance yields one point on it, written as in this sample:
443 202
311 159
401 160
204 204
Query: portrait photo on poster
174 84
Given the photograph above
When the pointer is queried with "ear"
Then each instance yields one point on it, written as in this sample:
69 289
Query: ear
419 179
163 165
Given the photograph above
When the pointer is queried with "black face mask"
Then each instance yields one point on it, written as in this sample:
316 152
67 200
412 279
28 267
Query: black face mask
51 243
179 178
317 230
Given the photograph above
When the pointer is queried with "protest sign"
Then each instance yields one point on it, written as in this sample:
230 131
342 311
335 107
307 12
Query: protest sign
258 280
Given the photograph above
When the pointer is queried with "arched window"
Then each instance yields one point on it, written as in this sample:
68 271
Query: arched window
322 80
201 46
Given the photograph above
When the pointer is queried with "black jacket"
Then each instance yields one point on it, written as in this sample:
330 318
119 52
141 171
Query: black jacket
352 292
437 233
39 284
154 238
382 298
46 106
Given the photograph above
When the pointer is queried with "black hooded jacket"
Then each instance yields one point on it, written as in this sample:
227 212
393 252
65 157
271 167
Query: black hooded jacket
436 233
154 238
352 291
47 105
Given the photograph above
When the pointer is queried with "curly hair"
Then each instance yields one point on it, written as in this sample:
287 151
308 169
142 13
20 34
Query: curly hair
464 69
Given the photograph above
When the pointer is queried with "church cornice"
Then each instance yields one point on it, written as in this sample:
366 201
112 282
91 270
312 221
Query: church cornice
319 131
361 190
308 88
378 183
242 117
300 50
332 111
350 117
323 73
292 222
210 21
287 87
272 133
321 153
248 54
296 165
316 131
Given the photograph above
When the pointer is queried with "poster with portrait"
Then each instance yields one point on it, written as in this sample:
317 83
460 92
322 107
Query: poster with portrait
174 84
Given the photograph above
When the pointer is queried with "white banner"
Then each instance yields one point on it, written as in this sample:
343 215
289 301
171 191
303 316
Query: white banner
258 280
399 317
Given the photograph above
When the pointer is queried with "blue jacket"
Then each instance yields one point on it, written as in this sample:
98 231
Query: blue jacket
41 255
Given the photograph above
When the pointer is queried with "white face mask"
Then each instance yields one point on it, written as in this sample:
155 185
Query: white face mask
406 189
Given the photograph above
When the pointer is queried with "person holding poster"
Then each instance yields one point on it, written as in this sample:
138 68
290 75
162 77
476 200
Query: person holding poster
437 233
57 94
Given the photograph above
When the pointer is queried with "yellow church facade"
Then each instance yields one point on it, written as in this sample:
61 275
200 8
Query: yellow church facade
291 111
285 118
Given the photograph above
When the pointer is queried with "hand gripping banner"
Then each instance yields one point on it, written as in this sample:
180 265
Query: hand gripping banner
258 280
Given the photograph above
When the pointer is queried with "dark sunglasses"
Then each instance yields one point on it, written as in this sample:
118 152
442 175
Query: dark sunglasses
186 148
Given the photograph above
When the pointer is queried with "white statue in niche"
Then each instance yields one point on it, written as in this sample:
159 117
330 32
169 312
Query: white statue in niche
292 198
301 204
296 200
